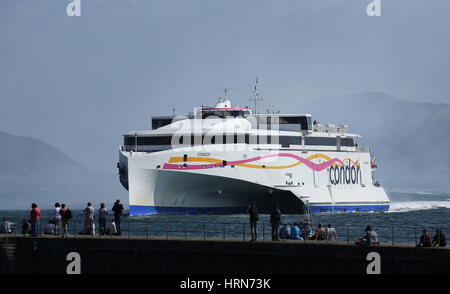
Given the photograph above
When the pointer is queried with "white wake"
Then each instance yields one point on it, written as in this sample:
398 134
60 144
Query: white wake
417 205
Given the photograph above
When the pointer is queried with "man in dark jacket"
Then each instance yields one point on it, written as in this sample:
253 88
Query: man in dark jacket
275 220
439 239
118 208
253 212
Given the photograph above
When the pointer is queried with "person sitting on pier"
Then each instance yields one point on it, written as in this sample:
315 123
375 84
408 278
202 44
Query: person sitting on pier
295 232
50 228
6 226
285 231
425 239
371 238
306 230
320 234
26 227
439 239
331 233
112 229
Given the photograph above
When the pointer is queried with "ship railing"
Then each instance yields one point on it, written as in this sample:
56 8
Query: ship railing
400 236
330 128
362 149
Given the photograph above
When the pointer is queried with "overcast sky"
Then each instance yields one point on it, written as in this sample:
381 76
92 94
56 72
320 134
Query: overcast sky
79 83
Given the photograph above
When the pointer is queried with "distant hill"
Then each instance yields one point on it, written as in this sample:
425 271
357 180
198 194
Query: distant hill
25 156
34 171
410 140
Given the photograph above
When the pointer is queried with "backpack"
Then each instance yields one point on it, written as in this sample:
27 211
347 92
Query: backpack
68 214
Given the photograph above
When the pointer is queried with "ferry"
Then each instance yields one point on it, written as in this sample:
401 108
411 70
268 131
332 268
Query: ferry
218 160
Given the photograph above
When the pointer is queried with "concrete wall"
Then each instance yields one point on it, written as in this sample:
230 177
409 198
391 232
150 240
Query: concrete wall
48 255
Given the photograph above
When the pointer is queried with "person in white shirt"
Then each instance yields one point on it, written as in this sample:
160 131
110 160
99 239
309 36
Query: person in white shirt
57 218
372 236
112 230
6 226
331 233
102 213
49 228
89 212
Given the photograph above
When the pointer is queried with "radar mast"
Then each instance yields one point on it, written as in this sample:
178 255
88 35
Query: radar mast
256 98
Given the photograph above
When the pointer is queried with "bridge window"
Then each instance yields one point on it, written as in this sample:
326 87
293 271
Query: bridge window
349 142
322 141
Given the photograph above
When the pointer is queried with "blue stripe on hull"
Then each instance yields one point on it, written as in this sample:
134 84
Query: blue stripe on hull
348 208
145 210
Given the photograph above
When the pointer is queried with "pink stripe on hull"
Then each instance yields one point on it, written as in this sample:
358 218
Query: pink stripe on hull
310 164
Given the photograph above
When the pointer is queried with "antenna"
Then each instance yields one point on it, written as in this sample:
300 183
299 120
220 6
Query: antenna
173 110
270 109
256 97
225 90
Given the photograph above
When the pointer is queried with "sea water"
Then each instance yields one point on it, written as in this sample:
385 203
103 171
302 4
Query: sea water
409 214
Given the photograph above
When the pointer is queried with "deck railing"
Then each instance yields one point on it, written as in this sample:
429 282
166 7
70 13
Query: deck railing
237 231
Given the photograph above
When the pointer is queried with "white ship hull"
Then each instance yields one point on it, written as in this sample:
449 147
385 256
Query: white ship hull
198 180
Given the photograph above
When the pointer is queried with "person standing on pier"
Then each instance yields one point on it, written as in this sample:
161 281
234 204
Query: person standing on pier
66 215
275 220
118 209
35 216
57 218
89 212
253 212
102 213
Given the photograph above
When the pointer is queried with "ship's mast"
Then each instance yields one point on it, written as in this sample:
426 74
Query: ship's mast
225 90
256 97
